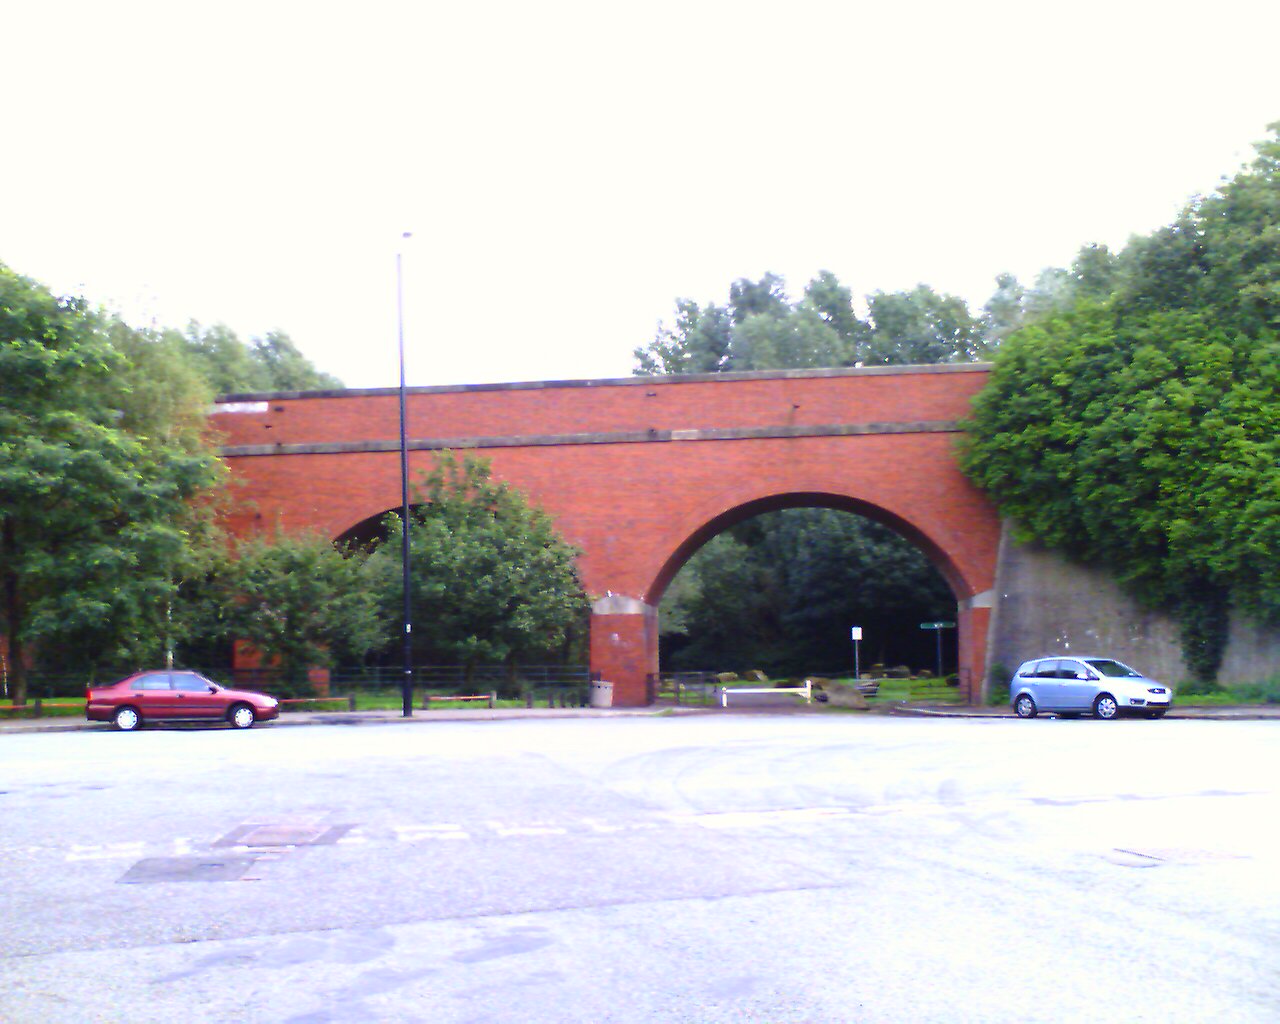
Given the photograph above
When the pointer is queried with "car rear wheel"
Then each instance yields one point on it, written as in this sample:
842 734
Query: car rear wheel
1105 706
127 719
241 717
1024 707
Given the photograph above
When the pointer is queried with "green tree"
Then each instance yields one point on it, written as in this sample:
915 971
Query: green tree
1005 311
301 603
921 326
793 339
841 570
766 297
760 329
156 393
1164 270
223 360
1241 234
1094 276
697 343
1053 292
731 610
833 302
491 580
158 388
1222 252
286 368
271 363
1150 445
1132 423
1095 273
97 491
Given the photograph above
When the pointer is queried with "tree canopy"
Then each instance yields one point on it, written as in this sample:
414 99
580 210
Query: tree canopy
99 488
491 580
1134 421
270 363
301 603
760 328
109 484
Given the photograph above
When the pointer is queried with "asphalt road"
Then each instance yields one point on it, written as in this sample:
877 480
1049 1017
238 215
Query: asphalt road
754 867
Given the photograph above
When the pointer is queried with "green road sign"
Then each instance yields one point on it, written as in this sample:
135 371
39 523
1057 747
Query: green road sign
937 625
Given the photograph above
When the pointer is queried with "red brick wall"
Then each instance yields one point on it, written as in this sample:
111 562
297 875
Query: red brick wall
584 407
638 509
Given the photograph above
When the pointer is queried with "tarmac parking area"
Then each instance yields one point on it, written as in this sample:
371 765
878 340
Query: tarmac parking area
755 867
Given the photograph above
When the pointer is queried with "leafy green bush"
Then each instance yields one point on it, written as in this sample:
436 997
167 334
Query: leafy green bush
1265 692
998 684
1200 688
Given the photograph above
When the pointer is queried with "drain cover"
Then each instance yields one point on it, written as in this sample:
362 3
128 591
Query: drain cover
284 835
187 869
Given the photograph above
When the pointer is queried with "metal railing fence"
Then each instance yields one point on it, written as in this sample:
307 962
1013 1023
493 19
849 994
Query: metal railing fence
437 680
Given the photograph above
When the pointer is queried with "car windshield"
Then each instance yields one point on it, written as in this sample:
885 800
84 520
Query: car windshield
1113 669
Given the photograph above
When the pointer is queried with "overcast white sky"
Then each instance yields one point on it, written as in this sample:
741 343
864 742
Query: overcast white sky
570 169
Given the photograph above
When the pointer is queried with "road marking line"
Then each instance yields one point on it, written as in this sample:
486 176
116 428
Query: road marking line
598 826
529 830
413 833
108 851
749 819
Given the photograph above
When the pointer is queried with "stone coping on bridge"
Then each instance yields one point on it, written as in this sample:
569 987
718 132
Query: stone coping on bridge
690 378
607 437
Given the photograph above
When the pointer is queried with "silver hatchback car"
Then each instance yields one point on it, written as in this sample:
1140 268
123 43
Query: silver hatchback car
1102 687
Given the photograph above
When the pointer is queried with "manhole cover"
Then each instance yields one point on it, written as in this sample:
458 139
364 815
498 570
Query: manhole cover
187 869
283 835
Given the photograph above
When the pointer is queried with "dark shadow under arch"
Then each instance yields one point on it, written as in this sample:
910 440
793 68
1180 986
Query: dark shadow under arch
777 502
368 532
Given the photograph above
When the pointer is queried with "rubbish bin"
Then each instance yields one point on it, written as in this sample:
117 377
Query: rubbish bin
601 694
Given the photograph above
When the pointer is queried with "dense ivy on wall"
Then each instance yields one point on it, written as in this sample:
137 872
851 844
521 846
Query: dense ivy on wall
1134 423
1150 446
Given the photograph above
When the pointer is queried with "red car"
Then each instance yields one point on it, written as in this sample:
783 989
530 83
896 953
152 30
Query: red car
175 696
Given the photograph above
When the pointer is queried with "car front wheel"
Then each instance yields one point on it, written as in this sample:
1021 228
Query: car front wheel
127 720
1105 706
241 717
1024 707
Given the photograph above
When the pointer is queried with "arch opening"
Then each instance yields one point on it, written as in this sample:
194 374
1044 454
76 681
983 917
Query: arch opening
777 583
369 532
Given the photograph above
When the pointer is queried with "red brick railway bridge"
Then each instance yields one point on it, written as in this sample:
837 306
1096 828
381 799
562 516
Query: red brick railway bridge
640 472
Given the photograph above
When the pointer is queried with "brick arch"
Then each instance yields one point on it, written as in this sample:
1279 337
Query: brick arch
368 527
637 472
751 508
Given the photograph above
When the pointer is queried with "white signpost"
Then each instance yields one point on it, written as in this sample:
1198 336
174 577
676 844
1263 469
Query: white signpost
855 634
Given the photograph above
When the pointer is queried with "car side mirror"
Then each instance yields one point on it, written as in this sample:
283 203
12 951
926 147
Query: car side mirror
213 689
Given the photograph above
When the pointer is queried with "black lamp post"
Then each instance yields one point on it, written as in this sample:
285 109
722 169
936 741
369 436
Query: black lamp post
406 685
